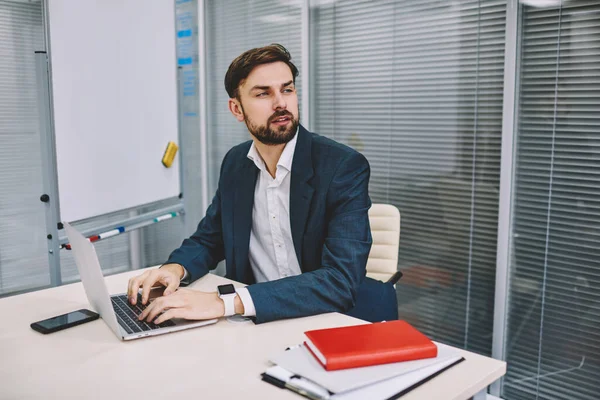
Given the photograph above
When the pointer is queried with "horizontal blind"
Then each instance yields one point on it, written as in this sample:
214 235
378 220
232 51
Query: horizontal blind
232 27
416 86
553 342
23 247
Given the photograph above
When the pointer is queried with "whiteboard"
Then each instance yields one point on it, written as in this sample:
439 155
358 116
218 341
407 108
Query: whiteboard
114 91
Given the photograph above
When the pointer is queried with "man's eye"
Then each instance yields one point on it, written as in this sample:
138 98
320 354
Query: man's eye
289 90
263 94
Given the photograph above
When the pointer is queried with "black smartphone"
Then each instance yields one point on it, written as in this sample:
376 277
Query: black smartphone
64 321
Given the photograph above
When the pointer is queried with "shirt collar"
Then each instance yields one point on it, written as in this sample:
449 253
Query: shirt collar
285 160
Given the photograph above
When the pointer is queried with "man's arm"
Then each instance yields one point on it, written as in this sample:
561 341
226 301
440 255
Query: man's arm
333 286
202 251
197 255
193 259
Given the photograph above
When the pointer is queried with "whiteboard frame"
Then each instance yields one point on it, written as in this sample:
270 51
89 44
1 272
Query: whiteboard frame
91 183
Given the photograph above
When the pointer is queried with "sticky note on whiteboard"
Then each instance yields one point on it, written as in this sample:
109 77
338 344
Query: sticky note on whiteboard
169 155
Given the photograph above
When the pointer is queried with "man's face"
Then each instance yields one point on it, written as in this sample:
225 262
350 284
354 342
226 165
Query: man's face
268 103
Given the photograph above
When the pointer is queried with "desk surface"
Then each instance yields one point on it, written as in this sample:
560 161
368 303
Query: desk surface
221 361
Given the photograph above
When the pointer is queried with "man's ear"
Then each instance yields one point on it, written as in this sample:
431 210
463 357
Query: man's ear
236 109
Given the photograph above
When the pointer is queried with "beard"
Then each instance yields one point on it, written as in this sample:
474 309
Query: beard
279 135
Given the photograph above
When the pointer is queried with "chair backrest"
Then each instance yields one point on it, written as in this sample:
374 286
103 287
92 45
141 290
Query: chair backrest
385 229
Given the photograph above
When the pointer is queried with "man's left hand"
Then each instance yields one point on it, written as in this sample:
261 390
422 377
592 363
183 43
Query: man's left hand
184 303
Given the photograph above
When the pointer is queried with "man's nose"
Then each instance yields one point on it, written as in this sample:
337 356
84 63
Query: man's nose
279 102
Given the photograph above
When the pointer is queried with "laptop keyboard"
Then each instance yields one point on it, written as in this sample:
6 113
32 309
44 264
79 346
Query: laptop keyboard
127 315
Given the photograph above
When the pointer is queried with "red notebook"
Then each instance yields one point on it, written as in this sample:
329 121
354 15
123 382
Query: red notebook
370 344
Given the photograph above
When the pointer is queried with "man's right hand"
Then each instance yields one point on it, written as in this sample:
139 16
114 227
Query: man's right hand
168 275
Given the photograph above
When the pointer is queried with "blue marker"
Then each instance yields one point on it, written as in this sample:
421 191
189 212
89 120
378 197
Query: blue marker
111 233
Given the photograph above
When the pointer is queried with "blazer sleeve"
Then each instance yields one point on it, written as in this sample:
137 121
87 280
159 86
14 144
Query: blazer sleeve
333 286
202 251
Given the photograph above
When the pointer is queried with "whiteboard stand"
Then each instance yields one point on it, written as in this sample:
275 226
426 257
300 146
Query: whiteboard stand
49 176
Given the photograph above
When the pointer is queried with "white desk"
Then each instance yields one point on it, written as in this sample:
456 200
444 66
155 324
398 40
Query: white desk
221 361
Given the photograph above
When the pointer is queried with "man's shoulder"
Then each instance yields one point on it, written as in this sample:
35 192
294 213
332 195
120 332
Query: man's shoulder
236 154
240 150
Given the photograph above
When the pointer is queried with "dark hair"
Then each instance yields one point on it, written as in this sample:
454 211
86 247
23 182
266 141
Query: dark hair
240 68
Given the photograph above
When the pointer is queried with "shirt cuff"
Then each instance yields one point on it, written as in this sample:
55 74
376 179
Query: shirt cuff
185 279
249 310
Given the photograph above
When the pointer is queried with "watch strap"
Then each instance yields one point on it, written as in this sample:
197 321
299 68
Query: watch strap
229 302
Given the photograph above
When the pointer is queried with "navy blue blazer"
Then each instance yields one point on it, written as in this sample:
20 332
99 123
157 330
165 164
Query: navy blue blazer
329 202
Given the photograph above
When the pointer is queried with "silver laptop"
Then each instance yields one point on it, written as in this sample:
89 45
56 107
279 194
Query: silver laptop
115 310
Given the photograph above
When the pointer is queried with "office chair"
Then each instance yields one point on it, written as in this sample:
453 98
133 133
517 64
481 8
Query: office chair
382 263
382 266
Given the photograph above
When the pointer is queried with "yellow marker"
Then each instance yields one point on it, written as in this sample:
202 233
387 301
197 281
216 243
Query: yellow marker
169 155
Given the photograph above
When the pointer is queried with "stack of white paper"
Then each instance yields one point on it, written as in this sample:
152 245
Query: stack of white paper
300 372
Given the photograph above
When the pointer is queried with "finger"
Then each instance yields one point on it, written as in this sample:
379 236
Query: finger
177 300
147 311
147 285
172 285
169 314
154 310
135 286
129 284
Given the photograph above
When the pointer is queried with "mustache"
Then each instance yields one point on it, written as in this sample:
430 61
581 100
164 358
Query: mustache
279 114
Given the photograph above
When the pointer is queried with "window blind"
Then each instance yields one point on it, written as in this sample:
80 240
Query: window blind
23 249
232 27
416 86
553 342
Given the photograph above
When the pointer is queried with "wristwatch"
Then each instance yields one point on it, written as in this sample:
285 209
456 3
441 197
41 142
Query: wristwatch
227 294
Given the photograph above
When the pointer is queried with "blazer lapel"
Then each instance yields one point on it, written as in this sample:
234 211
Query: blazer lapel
301 191
242 218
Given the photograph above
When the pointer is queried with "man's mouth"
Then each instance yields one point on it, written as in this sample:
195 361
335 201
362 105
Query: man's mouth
282 120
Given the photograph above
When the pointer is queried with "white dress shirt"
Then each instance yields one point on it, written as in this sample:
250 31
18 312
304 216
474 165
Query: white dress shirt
271 253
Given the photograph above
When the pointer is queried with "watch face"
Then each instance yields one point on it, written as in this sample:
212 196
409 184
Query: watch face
226 289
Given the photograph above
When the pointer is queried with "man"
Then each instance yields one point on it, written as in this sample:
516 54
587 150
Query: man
289 216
